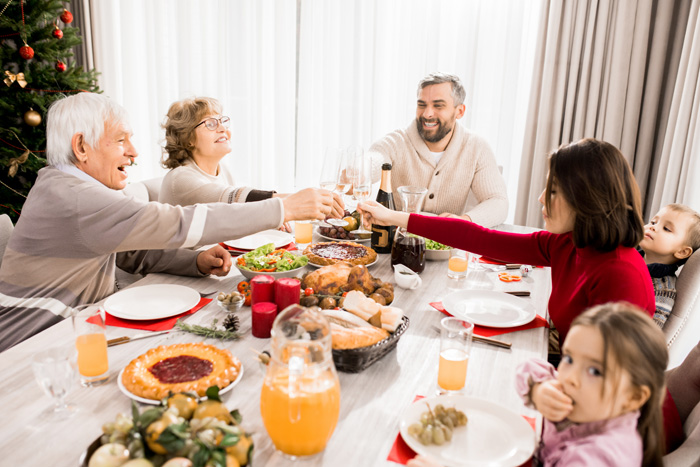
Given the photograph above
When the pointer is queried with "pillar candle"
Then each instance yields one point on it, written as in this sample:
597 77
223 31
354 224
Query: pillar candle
287 292
262 289
263 315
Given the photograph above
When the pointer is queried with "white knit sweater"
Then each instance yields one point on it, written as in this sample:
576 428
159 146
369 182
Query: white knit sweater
468 162
188 184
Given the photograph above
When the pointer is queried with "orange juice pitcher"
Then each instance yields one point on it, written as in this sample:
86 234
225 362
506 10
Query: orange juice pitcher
300 398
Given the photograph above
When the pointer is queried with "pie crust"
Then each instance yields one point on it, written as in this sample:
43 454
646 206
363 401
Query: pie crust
139 379
327 253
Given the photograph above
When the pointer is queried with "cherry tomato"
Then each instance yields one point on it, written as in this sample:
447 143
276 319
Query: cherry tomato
344 294
308 291
244 288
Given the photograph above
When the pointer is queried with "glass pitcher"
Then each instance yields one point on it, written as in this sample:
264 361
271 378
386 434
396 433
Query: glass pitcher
300 399
409 250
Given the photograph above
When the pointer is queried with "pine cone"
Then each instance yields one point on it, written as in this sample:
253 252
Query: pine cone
232 323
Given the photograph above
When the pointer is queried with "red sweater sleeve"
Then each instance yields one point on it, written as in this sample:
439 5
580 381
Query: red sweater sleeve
531 248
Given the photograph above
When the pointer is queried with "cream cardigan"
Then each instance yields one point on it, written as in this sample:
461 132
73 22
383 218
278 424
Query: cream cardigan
468 162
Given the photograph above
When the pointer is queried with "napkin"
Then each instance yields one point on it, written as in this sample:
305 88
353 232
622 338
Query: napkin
236 252
485 331
153 324
401 453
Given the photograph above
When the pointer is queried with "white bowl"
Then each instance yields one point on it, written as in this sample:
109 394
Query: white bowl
437 255
277 275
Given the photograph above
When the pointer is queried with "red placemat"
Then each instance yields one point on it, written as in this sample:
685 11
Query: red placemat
153 324
401 453
485 331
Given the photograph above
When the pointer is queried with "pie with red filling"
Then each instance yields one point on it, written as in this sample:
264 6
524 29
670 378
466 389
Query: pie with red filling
327 253
191 367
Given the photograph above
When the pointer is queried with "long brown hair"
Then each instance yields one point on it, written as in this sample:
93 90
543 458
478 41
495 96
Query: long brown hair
597 182
179 127
637 346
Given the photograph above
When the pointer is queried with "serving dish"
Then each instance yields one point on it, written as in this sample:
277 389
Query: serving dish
356 360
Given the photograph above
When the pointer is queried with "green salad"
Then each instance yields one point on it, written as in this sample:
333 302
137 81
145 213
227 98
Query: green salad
432 244
267 259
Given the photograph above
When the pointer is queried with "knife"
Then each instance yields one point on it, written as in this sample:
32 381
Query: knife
519 293
485 340
125 339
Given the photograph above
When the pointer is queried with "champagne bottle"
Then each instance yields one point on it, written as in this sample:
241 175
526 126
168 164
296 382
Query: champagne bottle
383 236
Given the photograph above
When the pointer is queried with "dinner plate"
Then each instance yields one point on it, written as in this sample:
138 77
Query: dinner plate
493 436
489 308
359 240
251 242
321 265
143 400
153 301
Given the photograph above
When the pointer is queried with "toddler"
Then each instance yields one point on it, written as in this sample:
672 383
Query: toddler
602 406
669 239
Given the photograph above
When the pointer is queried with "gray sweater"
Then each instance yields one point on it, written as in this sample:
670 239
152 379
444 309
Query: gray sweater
74 231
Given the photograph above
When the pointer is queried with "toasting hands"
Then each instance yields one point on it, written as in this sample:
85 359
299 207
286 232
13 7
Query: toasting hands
312 203
375 213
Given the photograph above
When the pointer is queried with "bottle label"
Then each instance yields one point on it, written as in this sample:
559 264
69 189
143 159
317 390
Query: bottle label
382 238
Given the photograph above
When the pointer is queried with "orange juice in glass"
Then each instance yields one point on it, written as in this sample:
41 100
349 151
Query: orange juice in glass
303 232
455 347
300 425
457 264
91 343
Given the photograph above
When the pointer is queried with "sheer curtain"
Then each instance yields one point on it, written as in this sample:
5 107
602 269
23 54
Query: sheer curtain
299 75
360 63
242 52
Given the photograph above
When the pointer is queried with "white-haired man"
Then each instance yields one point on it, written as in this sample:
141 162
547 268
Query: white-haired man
438 153
76 226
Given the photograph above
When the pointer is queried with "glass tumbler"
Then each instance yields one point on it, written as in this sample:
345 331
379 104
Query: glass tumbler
91 343
455 347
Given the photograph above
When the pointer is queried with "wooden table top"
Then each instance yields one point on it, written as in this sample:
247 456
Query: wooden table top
371 401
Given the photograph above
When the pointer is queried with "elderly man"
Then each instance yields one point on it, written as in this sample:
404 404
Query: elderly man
437 153
76 226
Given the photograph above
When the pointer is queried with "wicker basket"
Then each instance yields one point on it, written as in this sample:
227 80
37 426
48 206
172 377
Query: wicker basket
356 360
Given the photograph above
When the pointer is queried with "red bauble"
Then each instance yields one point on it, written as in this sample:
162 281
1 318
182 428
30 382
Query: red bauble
60 66
67 16
26 52
57 33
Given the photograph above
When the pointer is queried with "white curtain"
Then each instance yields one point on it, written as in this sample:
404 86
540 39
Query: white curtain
299 75
242 52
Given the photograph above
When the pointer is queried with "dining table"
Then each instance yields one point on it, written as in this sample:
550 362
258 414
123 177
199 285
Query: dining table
372 401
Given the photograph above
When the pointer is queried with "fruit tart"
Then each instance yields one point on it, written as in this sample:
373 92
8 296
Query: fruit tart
327 253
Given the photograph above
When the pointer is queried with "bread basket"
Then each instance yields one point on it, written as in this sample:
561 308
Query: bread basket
356 360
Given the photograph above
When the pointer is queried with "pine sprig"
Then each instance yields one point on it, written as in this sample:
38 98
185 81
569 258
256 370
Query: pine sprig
210 332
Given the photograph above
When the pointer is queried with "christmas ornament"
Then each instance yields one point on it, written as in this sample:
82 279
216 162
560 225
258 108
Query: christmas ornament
32 117
60 66
26 52
57 33
16 161
11 78
67 16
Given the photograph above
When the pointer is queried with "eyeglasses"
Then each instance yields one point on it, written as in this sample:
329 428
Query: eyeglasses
212 123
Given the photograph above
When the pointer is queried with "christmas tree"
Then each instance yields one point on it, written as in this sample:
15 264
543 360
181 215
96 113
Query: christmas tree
36 50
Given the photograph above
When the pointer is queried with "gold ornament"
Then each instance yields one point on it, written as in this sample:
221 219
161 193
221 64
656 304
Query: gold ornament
32 117
16 161
11 78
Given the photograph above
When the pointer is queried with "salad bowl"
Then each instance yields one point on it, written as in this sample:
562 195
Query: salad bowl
275 263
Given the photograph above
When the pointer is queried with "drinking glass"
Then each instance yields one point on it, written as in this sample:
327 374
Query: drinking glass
475 263
91 343
303 232
334 178
457 264
54 370
361 180
455 347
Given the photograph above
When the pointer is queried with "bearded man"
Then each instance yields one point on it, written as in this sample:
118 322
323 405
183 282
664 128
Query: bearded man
438 153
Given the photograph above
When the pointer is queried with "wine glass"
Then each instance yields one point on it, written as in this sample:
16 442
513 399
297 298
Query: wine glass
361 174
333 178
55 372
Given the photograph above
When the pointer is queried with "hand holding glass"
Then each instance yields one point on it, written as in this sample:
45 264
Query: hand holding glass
361 181
455 347
334 178
90 340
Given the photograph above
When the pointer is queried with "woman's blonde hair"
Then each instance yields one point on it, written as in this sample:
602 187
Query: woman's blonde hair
180 122
637 346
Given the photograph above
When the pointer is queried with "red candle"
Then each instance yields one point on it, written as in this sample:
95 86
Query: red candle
263 315
287 292
262 289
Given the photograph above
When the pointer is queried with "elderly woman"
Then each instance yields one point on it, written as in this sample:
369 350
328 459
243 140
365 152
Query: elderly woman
197 137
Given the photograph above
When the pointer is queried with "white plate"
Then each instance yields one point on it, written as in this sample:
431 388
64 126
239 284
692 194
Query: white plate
489 308
154 301
359 240
251 242
321 265
157 402
494 436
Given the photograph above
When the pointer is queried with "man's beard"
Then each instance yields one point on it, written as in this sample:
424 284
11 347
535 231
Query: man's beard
440 131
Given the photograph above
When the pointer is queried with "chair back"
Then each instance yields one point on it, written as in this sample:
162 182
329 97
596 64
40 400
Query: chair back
147 190
6 228
682 329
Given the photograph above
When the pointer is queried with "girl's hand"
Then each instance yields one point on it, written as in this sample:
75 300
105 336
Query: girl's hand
375 213
549 399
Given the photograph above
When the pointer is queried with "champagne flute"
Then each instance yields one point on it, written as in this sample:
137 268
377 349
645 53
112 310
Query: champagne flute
55 372
331 179
361 181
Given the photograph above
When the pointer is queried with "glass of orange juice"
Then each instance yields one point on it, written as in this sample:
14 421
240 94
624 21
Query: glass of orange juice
303 231
455 347
91 343
457 264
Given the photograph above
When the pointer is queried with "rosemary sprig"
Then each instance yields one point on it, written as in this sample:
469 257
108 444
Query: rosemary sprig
213 331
